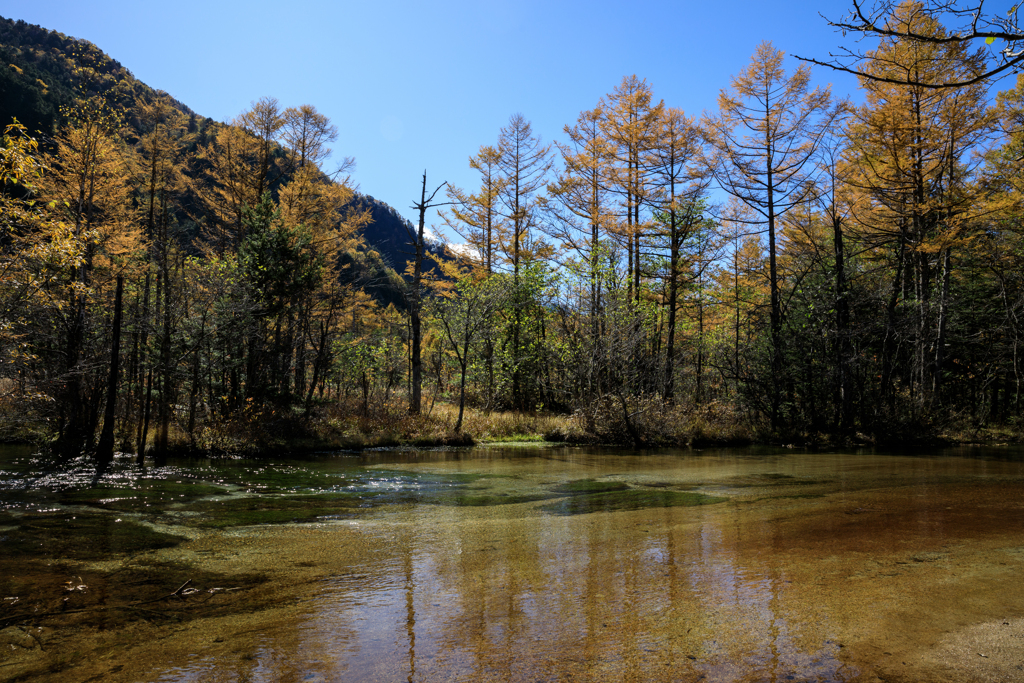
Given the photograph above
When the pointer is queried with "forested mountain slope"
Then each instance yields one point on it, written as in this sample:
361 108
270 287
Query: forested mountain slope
43 71
162 271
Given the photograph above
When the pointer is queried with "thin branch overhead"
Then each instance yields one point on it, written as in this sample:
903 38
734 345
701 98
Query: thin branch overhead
965 22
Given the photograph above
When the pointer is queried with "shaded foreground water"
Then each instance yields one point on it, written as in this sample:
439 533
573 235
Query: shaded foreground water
518 564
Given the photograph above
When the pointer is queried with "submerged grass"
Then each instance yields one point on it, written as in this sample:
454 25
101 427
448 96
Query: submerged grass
473 499
432 478
79 602
269 478
148 495
265 509
769 479
581 486
81 537
633 499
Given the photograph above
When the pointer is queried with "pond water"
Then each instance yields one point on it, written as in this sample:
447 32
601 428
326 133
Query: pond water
518 564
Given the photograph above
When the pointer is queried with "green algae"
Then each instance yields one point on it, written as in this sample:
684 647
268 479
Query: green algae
290 479
431 478
266 509
146 496
766 479
286 494
584 486
264 478
632 499
474 499
81 536
144 588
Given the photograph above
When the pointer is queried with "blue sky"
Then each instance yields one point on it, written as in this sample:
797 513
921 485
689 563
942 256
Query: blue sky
418 85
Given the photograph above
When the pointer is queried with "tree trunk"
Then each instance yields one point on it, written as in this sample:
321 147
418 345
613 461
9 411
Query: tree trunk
415 398
105 448
940 340
145 387
842 328
673 288
416 363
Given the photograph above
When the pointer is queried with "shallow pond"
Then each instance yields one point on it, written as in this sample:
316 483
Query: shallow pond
518 564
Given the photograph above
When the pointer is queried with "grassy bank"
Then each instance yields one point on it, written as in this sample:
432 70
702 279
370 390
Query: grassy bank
344 426
642 422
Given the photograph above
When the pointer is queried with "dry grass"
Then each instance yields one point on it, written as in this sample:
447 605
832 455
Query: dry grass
343 425
391 424
498 426
650 421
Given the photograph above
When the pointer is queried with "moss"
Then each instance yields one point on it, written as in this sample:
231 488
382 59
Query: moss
581 486
81 537
633 499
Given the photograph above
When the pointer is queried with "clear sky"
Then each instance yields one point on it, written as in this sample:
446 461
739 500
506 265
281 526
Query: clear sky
416 86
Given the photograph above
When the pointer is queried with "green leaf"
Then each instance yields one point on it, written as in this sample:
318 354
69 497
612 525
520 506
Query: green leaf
990 40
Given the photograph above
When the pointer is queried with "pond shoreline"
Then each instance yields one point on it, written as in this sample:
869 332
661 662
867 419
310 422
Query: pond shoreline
370 443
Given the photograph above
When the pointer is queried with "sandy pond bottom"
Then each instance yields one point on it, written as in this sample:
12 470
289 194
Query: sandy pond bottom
817 567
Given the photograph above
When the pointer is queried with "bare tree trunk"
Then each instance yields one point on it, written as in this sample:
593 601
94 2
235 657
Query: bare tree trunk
415 396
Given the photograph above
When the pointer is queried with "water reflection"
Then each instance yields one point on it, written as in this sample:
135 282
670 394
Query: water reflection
659 597
770 586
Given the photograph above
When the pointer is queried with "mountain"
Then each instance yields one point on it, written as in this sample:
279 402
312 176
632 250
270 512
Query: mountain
43 71
392 235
